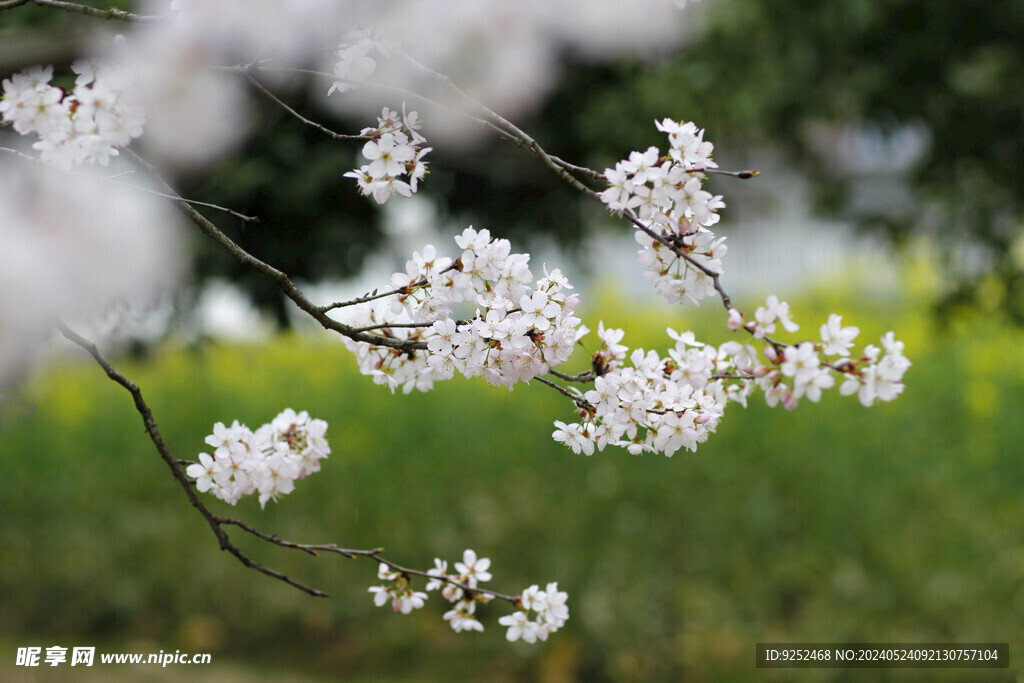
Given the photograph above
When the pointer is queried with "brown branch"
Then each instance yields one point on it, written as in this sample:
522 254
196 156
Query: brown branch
282 280
375 554
194 202
259 66
580 402
149 421
584 377
112 13
216 522
384 326
742 175
323 129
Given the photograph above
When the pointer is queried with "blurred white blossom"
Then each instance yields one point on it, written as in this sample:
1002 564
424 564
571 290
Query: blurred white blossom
75 246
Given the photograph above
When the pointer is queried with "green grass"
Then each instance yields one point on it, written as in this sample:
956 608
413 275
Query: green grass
832 523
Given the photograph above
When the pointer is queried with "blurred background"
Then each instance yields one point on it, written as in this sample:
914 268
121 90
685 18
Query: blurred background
890 136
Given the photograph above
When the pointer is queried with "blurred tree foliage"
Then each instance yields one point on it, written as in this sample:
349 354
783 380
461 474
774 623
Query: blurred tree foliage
786 71
790 73
798 74
832 523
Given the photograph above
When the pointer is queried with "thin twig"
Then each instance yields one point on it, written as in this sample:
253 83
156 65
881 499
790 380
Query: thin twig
20 155
194 202
742 175
726 375
374 295
113 179
582 170
375 554
323 129
258 66
282 280
528 142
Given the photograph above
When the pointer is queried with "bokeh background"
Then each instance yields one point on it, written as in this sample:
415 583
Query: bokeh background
891 142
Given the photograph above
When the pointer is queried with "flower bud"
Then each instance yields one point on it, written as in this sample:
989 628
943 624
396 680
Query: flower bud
735 319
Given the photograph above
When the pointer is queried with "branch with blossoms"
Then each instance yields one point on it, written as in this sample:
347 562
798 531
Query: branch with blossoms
270 460
479 312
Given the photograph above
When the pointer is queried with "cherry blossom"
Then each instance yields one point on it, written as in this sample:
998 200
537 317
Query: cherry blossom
665 197
394 151
87 125
548 611
267 461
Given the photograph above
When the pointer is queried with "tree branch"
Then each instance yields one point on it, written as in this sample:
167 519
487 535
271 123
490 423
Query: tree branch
323 129
280 278
149 421
113 13
580 402
584 377
216 522
194 202
375 554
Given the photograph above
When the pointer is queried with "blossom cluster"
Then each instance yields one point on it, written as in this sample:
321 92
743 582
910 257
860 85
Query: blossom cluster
663 404
518 331
542 612
665 196
462 594
539 612
395 151
88 124
267 461
656 405
791 372
396 589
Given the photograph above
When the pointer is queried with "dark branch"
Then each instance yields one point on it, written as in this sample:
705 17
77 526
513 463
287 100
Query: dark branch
580 402
323 129
112 13
149 421
280 278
